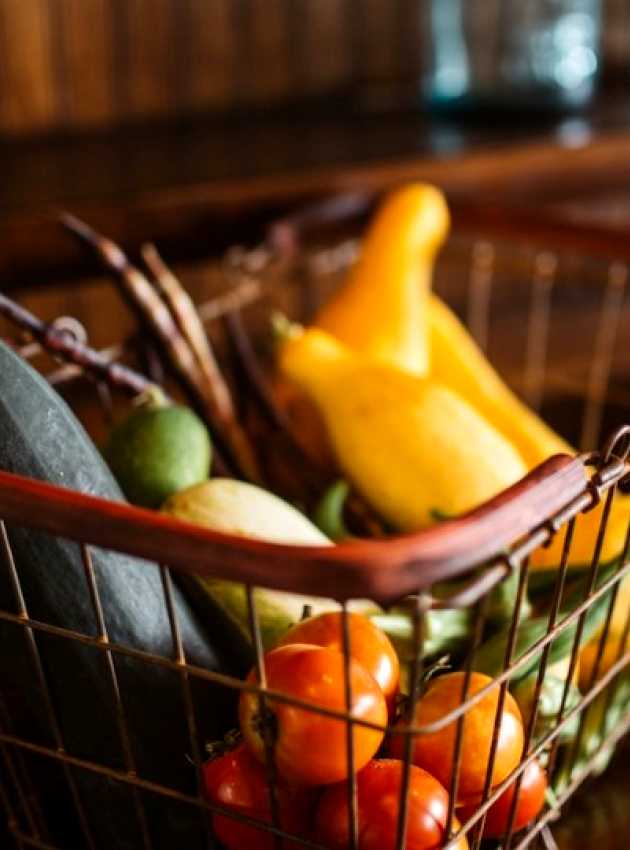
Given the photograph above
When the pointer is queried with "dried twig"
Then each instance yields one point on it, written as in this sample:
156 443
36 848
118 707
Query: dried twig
189 324
240 295
153 312
82 359
64 345
253 371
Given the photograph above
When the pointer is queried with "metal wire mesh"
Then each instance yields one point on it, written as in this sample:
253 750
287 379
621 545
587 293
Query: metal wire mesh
20 796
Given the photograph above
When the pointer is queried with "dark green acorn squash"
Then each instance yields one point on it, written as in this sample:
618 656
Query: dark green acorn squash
41 438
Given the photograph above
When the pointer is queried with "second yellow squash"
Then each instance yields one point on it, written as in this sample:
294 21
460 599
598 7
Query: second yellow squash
411 446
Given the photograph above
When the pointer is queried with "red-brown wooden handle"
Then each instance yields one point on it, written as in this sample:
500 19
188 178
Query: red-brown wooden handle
383 570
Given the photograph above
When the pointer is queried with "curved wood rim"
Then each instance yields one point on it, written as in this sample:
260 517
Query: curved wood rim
383 570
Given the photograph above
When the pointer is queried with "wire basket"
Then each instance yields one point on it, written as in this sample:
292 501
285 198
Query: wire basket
563 314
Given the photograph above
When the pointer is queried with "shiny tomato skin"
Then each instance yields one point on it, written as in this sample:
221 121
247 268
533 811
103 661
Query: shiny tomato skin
368 645
379 787
434 752
310 748
531 800
237 781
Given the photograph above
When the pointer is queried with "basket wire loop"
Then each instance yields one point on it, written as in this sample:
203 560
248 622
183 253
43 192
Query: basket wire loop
479 291
191 721
622 649
44 688
603 353
590 589
19 776
601 646
11 815
419 614
245 271
543 277
123 728
542 670
478 627
265 716
509 652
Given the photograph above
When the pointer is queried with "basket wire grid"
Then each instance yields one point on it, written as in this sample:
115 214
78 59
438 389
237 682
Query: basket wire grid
41 506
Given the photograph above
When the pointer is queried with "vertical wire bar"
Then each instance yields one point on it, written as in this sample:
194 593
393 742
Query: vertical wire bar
477 633
575 649
623 643
22 781
601 362
598 658
547 839
351 784
420 611
121 720
191 720
545 265
261 675
22 796
12 821
544 661
45 690
507 661
479 290
27 798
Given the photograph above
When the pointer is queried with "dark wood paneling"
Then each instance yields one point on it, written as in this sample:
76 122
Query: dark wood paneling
29 99
78 63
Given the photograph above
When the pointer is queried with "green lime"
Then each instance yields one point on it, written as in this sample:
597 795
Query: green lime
156 451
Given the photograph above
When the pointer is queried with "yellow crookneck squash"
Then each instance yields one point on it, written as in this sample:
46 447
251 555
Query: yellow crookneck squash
385 311
458 362
410 445
381 308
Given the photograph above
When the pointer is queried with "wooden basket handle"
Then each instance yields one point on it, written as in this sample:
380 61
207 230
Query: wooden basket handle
383 570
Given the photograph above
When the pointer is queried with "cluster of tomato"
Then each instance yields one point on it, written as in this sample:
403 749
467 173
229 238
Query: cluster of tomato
310 749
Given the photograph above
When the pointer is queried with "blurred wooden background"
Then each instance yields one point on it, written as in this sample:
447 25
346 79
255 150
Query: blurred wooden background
73 64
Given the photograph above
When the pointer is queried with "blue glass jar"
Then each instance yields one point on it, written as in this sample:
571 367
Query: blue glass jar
512 53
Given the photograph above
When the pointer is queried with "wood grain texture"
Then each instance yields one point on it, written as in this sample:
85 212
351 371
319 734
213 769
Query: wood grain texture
378 21
152 57
212 54
86 64
70 64
265 68
323 56
30 99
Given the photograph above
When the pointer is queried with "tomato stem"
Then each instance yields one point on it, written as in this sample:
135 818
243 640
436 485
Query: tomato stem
216 749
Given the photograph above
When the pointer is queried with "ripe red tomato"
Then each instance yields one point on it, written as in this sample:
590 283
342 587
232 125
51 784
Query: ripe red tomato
434 752
238 782
531 799
378 801
310 748
368 645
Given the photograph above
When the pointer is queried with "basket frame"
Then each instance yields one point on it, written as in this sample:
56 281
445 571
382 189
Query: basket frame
502 534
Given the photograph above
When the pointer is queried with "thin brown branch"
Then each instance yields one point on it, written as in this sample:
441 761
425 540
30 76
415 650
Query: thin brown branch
245 292
253 371
192 331
190 326
64 345
153 312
